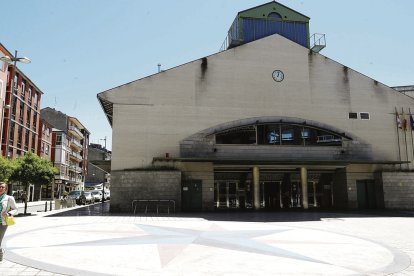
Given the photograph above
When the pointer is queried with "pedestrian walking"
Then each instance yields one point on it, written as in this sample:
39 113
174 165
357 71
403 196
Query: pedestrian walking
7 209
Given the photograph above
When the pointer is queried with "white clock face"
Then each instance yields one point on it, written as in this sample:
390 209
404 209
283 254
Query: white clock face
278 75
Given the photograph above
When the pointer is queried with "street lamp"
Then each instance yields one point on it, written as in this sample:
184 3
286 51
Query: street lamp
14 59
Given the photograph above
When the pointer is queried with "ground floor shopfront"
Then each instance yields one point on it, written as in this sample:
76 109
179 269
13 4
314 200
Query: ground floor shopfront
214 186
276 190
278 187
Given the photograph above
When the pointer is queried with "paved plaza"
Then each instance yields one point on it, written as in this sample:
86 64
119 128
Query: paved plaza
90 241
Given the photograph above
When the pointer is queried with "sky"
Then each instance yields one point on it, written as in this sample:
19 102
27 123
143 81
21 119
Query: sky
80 48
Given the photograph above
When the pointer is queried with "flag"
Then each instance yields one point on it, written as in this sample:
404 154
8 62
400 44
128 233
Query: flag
404 122
398 119
411 122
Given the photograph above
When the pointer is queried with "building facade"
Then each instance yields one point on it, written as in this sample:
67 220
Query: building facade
267 123
21 118
97 177
3 81
69 150
44 148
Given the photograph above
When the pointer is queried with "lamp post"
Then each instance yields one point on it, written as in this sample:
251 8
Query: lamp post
14 59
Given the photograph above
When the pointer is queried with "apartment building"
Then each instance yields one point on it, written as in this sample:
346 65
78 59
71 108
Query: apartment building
70 140
44 148
20 123
3 81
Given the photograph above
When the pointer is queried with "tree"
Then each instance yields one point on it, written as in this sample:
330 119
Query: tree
6 168
33 169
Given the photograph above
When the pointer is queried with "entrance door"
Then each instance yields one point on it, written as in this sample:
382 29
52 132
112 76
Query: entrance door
227 194
366 194
271 194
191 195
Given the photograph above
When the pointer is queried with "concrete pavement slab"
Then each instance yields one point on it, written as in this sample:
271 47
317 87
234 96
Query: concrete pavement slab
212 244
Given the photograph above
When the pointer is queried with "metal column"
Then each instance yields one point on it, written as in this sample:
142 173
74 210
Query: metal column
304 182
256 188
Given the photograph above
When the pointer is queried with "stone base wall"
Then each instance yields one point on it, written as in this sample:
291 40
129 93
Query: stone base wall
398 190
148 185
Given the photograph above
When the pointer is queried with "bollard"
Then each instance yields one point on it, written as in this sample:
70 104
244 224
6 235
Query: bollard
46 206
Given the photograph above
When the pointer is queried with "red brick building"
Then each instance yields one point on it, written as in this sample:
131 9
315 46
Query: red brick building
21 120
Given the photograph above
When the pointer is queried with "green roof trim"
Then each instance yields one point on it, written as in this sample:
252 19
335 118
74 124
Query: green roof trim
264 10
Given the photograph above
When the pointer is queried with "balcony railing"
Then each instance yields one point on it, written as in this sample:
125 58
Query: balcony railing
75 168
76 130
76 143
76 155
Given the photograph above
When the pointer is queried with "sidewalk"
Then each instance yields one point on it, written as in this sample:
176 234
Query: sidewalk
89 241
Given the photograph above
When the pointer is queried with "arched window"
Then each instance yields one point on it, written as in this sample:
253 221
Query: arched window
274 15
281 134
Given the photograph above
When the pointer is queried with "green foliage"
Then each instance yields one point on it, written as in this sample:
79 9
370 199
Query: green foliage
6 168
33 169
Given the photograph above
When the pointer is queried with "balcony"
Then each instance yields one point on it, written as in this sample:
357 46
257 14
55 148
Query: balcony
75 180
75 168
75 131
61 177
76 156
75 144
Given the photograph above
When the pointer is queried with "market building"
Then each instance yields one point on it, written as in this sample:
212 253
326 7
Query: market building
266 123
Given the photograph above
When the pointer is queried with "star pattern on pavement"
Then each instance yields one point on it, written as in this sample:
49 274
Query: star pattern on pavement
177 239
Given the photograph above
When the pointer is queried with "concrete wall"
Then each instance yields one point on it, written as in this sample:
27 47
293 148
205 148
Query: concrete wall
152 115
398 190
129 185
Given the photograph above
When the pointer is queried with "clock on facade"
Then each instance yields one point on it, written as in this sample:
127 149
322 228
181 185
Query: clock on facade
278 75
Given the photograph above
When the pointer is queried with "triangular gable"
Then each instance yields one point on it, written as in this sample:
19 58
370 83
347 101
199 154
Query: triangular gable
263 11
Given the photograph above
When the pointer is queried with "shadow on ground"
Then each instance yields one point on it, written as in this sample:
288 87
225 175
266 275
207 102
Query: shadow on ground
102 209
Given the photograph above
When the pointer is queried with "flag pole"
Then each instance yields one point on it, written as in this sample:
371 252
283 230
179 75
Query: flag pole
398 135
412 129
405 131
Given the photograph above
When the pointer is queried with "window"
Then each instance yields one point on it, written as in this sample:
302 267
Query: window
287 134
59 139
240 135
34 122
273 136
33 146
305 133
364 115
21 112
20 136
23 88
281 134
29 95
16 77
26 141
47 149
28 117
353 115
274 15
